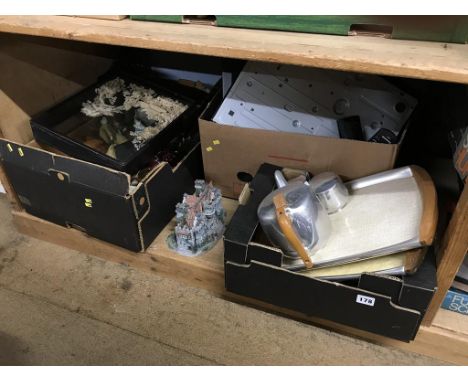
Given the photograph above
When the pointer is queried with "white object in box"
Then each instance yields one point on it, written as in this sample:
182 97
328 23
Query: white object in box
310 101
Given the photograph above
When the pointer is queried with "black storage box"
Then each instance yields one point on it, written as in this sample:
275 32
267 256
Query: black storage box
98 200
56 126
385 305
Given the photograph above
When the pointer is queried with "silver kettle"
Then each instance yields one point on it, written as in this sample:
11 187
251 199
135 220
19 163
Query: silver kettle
294 220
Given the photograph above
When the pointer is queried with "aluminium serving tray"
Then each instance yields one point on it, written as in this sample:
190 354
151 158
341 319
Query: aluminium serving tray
389 212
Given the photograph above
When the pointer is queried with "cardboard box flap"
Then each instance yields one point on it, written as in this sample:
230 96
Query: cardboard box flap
413 291
323 299
383 284
163 191
65 168
113 182
36 160
245 220
140 201
422 284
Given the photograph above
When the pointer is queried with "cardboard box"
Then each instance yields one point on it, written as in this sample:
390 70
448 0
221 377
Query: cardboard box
98 200
386 305
232 155
60 125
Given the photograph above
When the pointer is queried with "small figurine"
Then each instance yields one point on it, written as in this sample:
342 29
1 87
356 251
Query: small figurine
200 220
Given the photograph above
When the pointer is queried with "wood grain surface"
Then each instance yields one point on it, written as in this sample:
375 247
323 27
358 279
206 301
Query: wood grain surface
416 59
446 339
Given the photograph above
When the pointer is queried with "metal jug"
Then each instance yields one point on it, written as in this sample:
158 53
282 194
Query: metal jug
330 191
294 220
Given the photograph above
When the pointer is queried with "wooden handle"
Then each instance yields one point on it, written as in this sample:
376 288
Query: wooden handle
286 227
430 213
413 259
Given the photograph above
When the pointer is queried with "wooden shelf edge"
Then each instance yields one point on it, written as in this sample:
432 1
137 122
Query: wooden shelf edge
440 341
453 322
453 250
415 59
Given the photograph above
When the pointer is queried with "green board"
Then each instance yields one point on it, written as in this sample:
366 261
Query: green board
451 29
427 28
159 18
313 24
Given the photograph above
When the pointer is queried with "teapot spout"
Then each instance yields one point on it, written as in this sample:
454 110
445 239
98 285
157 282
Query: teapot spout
280 180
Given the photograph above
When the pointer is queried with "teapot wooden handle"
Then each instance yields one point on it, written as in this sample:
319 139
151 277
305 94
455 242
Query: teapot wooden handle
287 228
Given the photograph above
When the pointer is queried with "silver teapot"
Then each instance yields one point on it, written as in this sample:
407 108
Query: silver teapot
294 220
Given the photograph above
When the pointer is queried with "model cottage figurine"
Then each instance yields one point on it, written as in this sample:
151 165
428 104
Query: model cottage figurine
200 220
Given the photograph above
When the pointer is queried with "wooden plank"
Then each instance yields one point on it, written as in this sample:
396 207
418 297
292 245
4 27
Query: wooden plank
416 59
190 270
452 321
103 17
8 189
438 342
453 249
204 271
443 341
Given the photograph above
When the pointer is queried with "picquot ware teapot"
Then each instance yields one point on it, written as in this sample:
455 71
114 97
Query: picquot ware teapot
294 220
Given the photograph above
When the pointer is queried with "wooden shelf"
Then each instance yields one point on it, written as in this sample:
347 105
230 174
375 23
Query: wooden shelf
446 339
425 60
44 67
451 321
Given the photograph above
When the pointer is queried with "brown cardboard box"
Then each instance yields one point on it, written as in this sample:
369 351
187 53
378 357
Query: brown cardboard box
232 155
